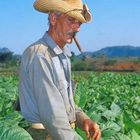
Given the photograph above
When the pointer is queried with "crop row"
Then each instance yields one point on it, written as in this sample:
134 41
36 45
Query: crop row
111 99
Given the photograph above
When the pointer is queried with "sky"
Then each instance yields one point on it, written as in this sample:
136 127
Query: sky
115 22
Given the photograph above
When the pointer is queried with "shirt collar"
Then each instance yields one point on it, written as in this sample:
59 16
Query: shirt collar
51 43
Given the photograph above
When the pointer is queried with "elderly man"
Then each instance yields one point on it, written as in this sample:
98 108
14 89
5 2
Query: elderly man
46 96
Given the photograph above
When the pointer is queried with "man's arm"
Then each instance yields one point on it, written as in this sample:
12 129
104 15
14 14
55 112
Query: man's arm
90 127
80 117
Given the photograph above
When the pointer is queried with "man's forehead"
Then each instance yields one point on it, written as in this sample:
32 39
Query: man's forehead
69 17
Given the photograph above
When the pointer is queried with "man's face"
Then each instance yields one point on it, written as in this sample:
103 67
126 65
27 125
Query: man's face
66 27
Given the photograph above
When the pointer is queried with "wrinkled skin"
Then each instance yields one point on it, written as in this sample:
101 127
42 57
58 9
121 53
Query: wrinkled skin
63 28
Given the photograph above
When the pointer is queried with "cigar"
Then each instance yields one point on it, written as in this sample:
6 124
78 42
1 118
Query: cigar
77 44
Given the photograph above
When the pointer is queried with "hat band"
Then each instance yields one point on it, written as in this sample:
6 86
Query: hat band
83 11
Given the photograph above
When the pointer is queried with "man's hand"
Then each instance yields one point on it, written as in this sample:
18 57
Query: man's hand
92 129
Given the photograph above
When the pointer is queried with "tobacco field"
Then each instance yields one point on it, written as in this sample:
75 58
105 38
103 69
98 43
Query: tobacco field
111 99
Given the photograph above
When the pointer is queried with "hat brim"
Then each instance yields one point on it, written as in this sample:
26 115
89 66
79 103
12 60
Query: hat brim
46 6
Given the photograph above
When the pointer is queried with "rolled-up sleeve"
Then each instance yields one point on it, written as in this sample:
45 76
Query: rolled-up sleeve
80 117
49 101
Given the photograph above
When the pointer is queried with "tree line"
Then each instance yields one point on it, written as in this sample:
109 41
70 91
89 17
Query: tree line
8 58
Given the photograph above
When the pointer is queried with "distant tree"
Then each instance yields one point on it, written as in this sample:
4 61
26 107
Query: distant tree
138 59
79 66
15 61
8 59
5 56
84 57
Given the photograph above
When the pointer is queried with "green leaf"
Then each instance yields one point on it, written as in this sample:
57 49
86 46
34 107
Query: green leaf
13 133
109 129
113 113
108 133
129 123
81 133
120 136
134 135
108 114
115 108
96 117
81 98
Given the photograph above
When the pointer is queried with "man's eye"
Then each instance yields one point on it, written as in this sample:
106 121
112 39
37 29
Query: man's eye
74 21
70 19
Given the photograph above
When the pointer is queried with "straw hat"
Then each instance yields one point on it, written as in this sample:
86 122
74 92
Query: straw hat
73 8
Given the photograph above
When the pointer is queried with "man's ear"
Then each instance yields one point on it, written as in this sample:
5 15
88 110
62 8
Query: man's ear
53 18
